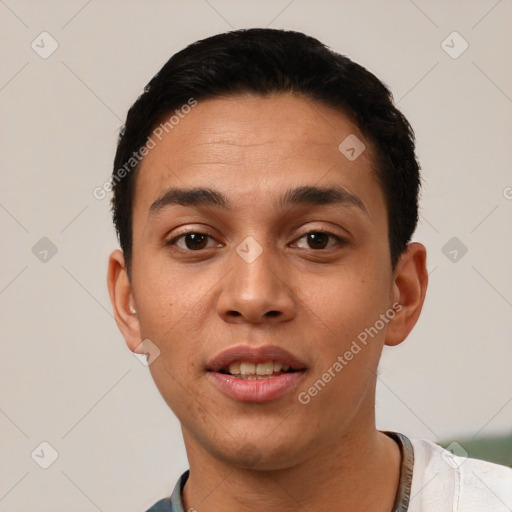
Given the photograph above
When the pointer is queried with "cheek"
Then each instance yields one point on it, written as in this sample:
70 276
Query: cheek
348 303
164 297
343 311
165 319
176 312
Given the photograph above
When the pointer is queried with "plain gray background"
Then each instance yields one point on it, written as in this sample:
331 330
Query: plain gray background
67 377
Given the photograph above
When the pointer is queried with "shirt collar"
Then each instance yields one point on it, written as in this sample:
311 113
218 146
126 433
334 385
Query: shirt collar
403 493
404 487
176 503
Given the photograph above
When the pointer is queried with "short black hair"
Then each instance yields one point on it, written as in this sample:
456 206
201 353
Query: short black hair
268 61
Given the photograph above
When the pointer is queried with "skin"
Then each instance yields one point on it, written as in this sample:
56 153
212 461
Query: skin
192 304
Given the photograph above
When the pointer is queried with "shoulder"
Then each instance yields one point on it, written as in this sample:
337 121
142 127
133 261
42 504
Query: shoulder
440 477
173 502
161 506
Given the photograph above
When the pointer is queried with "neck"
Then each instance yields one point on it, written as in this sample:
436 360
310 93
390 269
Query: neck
356 471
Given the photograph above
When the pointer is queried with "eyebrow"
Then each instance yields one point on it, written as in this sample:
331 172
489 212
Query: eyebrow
305 195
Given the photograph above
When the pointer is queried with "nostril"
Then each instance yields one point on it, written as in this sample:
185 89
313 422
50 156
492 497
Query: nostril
272 313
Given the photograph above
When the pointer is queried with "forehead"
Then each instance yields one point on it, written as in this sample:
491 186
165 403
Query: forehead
254 147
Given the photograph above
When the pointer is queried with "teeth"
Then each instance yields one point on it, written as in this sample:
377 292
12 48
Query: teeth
234 368
277 366
265 368
247 368
261 370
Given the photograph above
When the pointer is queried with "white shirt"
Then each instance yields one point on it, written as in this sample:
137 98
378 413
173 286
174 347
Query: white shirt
443 482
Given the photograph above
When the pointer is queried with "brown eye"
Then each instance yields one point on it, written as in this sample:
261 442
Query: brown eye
195 241
192 241
319 240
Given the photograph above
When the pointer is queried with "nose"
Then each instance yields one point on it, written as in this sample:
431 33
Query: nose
255 291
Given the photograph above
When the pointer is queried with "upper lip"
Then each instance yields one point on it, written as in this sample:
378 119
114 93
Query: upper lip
254 355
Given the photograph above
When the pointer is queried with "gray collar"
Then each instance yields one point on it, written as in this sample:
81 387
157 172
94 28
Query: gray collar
174 503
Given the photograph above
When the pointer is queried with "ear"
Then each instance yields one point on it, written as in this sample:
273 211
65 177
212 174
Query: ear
409 288
121 297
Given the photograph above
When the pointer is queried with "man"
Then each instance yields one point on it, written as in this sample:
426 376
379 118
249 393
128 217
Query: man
265 195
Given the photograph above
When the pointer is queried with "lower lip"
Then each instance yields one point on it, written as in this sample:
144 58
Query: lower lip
256 390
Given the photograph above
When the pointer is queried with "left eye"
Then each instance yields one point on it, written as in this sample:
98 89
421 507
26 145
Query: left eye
320 240
191 241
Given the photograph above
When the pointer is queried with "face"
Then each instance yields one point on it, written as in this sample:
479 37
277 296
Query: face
280 260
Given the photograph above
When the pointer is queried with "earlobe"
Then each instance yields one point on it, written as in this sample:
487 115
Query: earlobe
410 286
121 297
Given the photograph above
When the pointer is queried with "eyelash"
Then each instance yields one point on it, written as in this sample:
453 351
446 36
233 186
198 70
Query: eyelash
338 239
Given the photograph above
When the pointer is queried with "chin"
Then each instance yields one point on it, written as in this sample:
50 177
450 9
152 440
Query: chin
271 453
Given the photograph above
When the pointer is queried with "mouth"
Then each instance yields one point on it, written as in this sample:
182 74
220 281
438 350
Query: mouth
249 374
